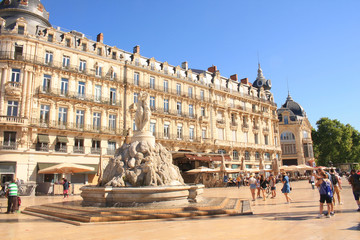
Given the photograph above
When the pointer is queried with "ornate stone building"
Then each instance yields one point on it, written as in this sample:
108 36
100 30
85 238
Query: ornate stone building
295 138
67 98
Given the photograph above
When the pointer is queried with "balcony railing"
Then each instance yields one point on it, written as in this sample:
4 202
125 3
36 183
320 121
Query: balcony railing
62 149
36 122
8 145
77 149
56 92
12 119
95 151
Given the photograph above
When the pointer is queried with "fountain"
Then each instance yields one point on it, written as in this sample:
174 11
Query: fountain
141 172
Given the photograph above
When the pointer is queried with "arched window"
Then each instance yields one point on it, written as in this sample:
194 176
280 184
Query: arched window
287 136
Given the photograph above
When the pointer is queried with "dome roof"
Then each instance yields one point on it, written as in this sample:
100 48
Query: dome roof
293 106
261 80
31 10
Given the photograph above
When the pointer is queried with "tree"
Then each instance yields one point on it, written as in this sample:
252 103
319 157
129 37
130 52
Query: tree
335 142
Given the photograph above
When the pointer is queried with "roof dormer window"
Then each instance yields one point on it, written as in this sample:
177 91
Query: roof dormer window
21 30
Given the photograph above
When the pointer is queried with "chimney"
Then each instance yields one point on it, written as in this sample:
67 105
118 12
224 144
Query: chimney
245 81
185 65
234 77
136 49
212 69
100 37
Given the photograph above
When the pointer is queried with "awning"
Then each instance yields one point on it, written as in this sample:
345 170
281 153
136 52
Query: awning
209 158
7 167
62 139
43 139
46 165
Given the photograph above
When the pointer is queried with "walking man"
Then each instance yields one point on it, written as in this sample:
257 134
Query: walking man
12 194
354 180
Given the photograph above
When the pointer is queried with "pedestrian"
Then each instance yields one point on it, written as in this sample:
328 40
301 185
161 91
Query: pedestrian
258 187
354 180
238 181
286 187
321 171
326 195
337 186
263 185
12 195
312 180
272 183
252 184
66 186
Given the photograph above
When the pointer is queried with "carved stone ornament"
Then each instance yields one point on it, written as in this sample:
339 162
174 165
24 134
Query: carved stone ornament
13 88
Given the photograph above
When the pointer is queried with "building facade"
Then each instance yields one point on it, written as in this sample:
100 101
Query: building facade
295 134
67 98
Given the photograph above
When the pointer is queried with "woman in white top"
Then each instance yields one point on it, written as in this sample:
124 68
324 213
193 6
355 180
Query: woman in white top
252 184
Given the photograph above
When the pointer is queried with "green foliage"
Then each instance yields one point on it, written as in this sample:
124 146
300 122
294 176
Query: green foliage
335 142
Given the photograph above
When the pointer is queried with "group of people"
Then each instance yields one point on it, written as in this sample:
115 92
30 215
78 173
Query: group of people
329 184
261 183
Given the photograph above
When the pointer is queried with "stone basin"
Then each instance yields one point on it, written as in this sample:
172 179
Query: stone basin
137 196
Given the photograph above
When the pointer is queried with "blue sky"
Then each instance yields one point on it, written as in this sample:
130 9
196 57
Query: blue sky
311 44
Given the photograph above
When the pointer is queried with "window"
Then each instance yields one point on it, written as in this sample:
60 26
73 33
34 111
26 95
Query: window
288 149
61 144
234 138
12 110
98 93
48 57
112 74
111 148
152 66
178 89
112 121
267 156
153 128
99 51
79 145
50 38
152 102
62 115
256 138
84 46
64 86
246 139
233 118
114 55
203 133
266 139
166 86
80 119
152 83
287 136
112 96
247 155
166 105
66 61
136 79
21 30
308 150
235 155
82 66
137 62
166 130
44 113
96 121
286 120
257 155
96 147
190 90
305 134
191 133
179 132
202 95
15 75
9 140
275 141
220 133
67 42
98 71
191 110
203 111
178 108
46 83
134 126
221 151
136 97
81 90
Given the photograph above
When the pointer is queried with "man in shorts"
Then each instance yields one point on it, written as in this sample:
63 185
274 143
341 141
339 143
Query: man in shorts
354 180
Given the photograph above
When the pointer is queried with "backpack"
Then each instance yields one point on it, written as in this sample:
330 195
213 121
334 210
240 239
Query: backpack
334 179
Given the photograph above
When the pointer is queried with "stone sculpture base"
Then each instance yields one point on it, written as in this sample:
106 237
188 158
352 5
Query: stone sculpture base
144 136
138 196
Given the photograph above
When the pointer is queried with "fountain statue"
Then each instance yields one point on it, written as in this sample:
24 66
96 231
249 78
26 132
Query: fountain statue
140 166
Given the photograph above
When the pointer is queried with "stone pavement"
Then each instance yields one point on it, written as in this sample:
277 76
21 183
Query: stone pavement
272 219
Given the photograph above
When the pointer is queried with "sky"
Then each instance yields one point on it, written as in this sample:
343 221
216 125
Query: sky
308 47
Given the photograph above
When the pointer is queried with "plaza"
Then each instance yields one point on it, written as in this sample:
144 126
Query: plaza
271 219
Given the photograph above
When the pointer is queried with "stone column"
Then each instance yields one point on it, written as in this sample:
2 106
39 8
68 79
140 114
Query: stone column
23 93
2 90
29 93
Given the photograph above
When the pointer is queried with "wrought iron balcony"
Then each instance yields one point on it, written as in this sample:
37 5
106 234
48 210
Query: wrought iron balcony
8 145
